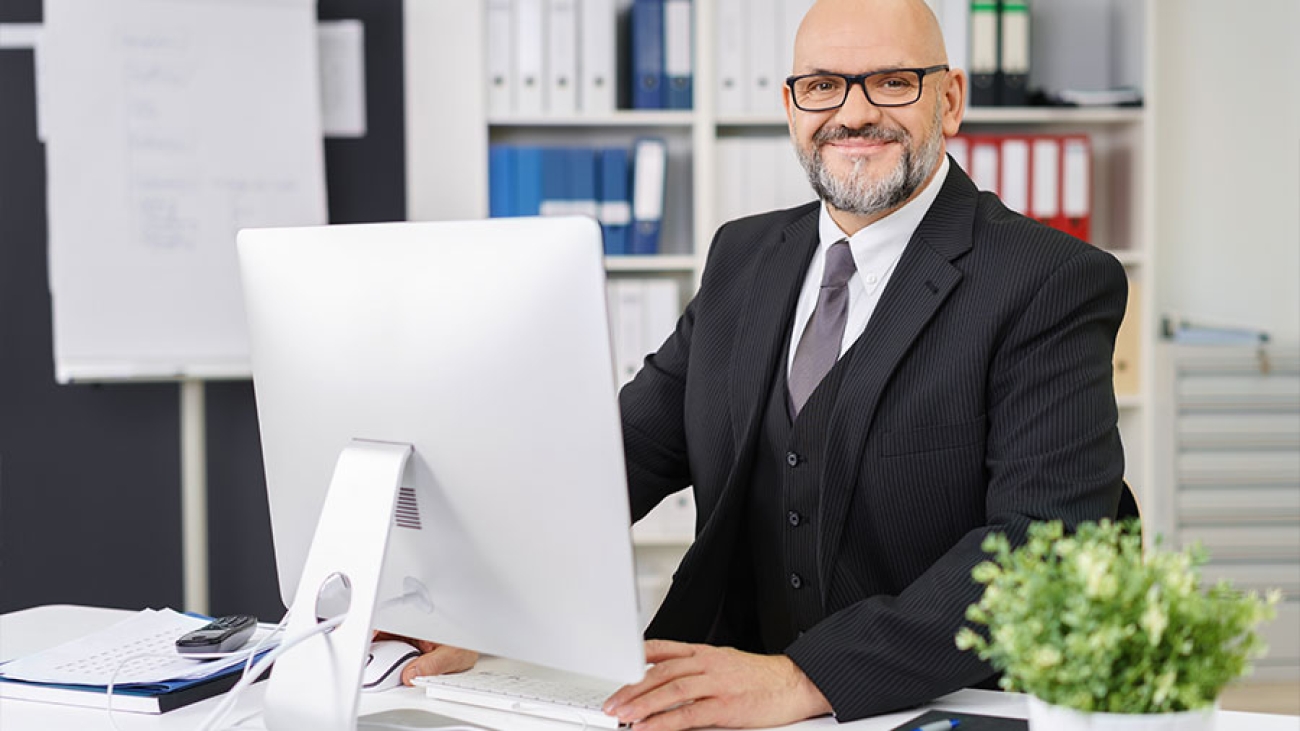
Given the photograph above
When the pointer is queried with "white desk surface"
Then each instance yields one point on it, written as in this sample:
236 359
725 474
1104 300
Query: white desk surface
35 629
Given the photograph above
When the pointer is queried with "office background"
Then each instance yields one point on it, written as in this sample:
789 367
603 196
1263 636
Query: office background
88 474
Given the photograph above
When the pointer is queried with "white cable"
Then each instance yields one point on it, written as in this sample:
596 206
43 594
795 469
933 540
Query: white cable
250 652
228 702
112 680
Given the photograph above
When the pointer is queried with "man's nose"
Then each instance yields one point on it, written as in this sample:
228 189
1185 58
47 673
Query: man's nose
857 110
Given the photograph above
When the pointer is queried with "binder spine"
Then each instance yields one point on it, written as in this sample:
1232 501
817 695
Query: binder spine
1013 53
500 62
561 57
983 53
502 181
597 69
647 54
649 170
530 57
615 207
679 44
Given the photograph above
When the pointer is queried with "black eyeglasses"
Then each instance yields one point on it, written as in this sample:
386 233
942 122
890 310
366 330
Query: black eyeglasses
887 88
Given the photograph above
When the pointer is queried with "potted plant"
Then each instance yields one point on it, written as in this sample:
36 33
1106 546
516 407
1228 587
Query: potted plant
1103 637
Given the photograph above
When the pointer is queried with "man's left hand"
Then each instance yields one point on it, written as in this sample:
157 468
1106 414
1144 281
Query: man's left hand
695 686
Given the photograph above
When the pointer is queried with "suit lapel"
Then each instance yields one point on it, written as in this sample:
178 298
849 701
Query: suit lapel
756 356
924 278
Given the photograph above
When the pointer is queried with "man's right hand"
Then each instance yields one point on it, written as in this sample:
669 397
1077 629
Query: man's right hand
435 659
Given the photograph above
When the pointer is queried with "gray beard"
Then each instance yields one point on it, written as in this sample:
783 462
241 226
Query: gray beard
857 192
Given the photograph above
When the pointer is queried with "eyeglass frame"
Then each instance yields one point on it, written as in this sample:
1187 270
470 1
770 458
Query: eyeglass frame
852 80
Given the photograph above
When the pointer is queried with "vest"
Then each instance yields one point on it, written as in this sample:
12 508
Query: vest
783 512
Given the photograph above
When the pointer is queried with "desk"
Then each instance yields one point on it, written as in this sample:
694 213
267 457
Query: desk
35 629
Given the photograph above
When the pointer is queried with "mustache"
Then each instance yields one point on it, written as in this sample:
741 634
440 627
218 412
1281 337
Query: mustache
872 133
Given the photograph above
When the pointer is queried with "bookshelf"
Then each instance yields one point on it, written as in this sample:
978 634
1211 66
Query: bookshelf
440 138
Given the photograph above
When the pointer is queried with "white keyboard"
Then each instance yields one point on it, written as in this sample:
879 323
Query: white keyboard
522 694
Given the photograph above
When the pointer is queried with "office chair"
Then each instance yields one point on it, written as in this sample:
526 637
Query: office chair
1128 505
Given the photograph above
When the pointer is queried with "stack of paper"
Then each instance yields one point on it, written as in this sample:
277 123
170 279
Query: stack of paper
137 655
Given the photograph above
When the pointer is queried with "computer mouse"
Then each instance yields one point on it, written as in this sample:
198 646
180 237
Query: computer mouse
384 664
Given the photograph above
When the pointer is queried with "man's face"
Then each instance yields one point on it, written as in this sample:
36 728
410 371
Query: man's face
874 168
860 158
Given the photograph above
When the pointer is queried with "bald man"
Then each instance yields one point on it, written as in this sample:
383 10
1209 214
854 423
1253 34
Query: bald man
964 388
850 450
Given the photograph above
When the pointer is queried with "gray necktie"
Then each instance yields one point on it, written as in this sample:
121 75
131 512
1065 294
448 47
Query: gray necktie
819 347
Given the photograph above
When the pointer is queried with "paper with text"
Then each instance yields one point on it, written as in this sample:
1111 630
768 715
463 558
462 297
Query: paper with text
171 125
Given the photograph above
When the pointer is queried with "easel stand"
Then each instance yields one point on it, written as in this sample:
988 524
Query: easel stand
317 684
194 496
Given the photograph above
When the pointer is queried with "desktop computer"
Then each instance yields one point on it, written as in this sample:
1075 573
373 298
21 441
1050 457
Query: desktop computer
443 449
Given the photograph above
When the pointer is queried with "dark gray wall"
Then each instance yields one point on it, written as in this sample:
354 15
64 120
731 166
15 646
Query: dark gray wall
90 475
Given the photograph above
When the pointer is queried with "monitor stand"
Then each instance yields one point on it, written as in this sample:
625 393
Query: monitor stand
317 684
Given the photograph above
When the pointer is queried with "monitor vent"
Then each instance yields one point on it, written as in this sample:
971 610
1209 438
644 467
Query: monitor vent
408 510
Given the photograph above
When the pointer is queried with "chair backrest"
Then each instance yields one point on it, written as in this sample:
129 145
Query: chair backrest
1128 504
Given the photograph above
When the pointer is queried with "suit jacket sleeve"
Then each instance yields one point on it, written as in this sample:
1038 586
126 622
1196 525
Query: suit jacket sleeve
1052 452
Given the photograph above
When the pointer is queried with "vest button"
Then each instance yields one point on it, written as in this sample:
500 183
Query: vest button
791 459
795 581
794 517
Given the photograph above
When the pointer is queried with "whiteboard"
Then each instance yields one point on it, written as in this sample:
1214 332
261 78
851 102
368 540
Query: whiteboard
171 125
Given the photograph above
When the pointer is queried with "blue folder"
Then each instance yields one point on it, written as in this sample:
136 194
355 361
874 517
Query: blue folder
647 54
615 204
581 164
528 180
502 181
556 195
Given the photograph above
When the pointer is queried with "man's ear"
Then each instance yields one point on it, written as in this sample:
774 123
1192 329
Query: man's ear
954 100
789 105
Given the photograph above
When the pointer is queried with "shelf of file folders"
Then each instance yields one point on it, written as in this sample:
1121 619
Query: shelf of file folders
622 188
643 312
561 57
1047 177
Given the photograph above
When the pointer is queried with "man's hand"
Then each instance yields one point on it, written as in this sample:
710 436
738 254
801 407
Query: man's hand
693 686
436 659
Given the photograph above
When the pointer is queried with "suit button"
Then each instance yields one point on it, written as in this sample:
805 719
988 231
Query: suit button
791 459
794 517
795 581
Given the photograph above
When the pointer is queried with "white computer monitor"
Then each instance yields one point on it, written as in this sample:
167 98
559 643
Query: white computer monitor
484 345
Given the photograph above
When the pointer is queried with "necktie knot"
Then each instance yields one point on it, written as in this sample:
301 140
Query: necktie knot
839 264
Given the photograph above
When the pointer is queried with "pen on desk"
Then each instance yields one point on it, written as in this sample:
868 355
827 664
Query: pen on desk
939 725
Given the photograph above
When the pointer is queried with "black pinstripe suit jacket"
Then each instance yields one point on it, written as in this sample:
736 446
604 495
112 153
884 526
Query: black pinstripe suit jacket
981 401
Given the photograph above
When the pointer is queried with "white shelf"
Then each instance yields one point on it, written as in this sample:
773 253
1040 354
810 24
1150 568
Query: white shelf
1054 115
1128 257
663 263
750 120
620 118
987 115
662 541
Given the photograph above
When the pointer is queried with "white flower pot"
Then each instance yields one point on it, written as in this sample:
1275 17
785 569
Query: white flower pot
1047 717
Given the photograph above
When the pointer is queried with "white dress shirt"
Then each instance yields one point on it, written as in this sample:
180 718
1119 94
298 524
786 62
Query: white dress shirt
876 250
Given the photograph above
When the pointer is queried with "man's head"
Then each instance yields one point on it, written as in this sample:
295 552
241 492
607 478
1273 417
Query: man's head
866 160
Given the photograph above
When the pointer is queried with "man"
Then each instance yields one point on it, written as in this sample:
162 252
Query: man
972 393
855 417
